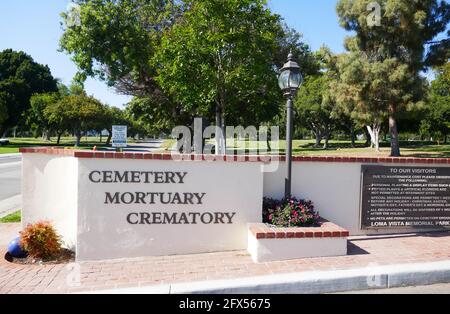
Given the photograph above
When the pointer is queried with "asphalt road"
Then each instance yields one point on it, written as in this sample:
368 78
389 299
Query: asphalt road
10 176
11 169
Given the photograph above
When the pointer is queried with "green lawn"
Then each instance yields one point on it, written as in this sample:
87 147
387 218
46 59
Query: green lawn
14 217
300 147
16 143
343 148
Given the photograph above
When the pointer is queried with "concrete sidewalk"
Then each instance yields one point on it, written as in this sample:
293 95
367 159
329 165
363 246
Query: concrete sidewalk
7 233
6 156
382 277
371 263
10 198
10 205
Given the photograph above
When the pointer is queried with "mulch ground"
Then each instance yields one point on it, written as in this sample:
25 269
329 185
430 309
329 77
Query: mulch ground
65 257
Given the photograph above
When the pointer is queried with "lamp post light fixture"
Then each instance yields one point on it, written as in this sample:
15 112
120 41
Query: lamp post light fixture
289 81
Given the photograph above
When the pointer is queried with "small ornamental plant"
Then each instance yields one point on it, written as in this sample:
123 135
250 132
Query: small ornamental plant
290 213
41 241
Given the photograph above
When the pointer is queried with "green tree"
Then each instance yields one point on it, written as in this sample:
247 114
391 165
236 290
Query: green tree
76 113
20 78
437 121
354 89
3 109
36 118
343 107
154 119
219 58
125 43
114 116
56 116
393 52
314 106
116 40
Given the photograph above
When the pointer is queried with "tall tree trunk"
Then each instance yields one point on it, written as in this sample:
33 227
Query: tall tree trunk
78 138
224 139
108 140
268 139
5 133
218 128
220 132
353 135
58 141
395 146
46 135
101 137
377 131
368 138
327 139
374 133
318 138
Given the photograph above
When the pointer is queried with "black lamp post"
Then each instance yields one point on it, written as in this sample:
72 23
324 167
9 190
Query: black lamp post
289 81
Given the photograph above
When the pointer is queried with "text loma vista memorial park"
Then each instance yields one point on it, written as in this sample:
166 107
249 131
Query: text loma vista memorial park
158 198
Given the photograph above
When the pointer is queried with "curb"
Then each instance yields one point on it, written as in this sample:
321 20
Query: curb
10 205
378 277
7 156
11 164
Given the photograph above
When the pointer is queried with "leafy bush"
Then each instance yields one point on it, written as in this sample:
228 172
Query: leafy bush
290 213
41 241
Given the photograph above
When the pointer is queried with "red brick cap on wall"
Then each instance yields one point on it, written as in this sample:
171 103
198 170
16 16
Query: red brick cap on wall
168 156
326 230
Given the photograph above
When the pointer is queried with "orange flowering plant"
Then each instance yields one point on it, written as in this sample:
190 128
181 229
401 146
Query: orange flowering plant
41 241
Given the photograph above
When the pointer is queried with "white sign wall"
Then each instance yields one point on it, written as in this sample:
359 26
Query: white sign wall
139 208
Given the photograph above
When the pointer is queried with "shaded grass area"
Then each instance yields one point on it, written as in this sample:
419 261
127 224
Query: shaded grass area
66 142
408 149
14 217
339 148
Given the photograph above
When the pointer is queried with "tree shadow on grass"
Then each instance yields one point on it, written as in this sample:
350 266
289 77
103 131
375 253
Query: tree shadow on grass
51 144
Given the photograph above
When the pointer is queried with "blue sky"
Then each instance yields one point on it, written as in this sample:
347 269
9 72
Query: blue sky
316 20
34 27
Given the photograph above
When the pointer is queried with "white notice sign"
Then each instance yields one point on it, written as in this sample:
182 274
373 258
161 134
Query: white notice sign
119 136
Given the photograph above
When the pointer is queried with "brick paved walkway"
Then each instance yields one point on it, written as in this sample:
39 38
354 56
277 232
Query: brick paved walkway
164 270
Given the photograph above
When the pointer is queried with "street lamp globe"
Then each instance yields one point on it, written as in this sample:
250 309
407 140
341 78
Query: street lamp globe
290 78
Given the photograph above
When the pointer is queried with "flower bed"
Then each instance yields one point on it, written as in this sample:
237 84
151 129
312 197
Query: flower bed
268 243
293 229
290 213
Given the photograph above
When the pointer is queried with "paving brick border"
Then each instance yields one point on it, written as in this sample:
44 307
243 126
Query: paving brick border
228 158
364 253
326 230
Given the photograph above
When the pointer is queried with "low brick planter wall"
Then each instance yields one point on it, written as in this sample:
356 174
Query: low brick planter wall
267 244
229 158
